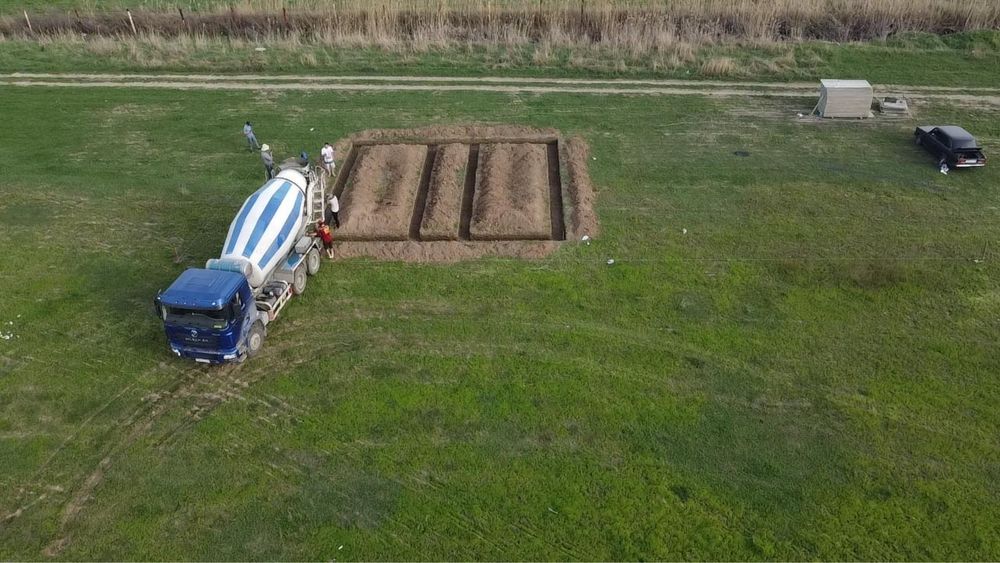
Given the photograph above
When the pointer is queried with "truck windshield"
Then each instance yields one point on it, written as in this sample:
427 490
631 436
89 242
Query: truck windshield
197 317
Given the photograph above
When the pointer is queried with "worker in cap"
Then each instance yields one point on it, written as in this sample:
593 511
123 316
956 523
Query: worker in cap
268 159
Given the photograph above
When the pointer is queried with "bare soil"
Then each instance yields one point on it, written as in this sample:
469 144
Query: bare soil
443 213
578 192
512 193
458 192
444 251
378 199
468 134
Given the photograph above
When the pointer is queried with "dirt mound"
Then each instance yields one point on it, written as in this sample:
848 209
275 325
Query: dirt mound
458 192
512 193
448 134
444 251
378 200
443 211
581 219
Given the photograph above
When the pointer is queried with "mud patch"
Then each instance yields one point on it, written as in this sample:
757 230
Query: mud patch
442 194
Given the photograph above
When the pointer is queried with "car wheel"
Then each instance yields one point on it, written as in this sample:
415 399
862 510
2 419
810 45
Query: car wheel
313 262
299 279
255 340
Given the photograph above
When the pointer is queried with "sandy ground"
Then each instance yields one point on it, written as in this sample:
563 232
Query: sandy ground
513 207
443 212
578 191
444 251
378 200
512 193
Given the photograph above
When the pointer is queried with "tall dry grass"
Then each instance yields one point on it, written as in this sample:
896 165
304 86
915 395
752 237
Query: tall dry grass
634 26
586 34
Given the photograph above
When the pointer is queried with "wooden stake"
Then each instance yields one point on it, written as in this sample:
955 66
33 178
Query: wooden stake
28 22
131 22
181 12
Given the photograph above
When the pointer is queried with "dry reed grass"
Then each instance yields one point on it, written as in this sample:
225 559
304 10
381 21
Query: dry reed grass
583 34
632 27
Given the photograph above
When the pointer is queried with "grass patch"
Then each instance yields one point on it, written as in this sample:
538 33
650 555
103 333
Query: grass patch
808 372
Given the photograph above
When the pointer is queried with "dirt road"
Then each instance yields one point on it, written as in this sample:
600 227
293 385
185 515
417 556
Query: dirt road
535 85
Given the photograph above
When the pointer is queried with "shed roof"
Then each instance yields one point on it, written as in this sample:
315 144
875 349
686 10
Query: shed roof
830 83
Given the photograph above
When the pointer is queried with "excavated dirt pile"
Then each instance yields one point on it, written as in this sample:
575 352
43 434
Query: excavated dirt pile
441 194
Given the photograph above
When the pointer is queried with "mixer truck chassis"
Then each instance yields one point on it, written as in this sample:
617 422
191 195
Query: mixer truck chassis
221 313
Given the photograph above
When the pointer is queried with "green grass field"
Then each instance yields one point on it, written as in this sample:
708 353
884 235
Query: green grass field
808 373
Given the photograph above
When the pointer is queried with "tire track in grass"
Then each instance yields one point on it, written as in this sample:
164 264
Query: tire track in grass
208 391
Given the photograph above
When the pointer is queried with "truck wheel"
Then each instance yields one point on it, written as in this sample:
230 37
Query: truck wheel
255 340
299 280
313 262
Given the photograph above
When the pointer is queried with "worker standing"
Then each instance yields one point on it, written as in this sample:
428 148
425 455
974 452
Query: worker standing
327 153
334 211
251 138
323 231
268 159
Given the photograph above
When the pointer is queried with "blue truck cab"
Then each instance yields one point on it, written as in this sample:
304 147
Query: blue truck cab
210 316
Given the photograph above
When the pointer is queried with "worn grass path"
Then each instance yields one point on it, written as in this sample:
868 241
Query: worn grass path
513 85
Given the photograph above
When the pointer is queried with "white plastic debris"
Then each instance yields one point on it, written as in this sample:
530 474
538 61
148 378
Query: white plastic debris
586 239
944 168
260 49
684 231
800 115
611 261
339 548
593 158
312 128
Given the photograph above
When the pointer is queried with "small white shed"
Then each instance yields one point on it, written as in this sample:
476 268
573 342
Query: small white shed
845 98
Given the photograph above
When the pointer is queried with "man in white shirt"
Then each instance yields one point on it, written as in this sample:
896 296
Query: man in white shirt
327 154
251 138
334 211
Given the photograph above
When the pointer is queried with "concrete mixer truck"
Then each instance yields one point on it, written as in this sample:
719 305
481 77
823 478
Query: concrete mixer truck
221 313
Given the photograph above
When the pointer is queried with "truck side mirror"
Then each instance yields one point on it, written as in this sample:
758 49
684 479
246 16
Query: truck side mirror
158 305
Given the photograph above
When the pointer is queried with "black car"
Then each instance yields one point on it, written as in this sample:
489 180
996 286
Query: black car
951 144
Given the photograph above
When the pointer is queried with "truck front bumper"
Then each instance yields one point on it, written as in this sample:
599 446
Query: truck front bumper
207 356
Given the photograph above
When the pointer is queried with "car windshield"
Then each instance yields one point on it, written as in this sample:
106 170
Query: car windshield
197 317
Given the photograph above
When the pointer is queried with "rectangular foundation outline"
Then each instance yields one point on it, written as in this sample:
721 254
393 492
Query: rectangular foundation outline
554 180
